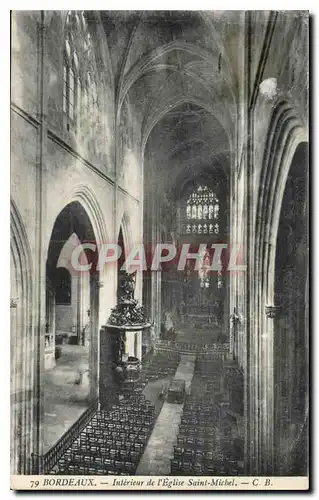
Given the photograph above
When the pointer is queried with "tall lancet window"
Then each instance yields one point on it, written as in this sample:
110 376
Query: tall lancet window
80 84
205 265
202 212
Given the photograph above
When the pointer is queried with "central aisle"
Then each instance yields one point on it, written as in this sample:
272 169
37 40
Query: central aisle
159 450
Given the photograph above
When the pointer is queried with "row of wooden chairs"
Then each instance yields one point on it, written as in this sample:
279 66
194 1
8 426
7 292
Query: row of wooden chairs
112 442
213 451
195 442
204 441
114 467
160 365
181 468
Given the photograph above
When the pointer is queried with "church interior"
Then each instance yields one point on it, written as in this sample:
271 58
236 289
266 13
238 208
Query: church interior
146 128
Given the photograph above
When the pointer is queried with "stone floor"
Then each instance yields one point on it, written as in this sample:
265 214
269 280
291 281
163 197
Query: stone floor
185 370
206 334
153 390
65 399
159 450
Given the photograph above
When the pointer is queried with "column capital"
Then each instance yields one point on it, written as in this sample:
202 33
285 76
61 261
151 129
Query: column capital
272 311
14 303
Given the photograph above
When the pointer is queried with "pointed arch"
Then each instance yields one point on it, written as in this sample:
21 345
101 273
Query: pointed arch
22 348
286 132
85 195
87 198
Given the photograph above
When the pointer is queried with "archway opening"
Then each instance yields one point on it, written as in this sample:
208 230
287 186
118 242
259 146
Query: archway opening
72 296
291 327
202 221
22 408
186 202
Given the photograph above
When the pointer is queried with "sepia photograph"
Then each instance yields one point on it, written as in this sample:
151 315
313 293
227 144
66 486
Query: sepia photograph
159 250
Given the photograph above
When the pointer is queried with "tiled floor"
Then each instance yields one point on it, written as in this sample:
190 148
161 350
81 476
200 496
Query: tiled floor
64 399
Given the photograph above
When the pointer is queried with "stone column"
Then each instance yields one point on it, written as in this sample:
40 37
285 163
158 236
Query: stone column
267 383
77 306
94 340
49 348
107 388
40 256
155 283
138 345
137 336
234 331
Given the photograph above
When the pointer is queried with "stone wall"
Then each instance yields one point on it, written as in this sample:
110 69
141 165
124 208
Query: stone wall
51 167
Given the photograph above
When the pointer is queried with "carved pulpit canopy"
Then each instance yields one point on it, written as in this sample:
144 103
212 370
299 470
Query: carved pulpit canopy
128 313
127 284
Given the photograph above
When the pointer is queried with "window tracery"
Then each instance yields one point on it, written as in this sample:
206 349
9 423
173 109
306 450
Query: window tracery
80 95
202 212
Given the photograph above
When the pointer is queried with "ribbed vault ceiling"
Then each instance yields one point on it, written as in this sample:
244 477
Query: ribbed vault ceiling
188 143
165 58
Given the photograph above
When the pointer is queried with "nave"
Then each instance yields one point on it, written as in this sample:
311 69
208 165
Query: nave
185 131
146 434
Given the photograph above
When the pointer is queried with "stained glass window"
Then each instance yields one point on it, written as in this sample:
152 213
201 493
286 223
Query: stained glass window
79 75
202 212
71 94
79 98
203 272
65 87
